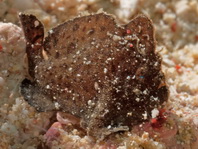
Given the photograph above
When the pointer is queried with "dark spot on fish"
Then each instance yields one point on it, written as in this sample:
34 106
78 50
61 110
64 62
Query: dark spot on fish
102 28
75 27
84 28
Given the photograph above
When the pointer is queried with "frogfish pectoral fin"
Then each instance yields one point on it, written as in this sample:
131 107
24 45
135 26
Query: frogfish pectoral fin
34 96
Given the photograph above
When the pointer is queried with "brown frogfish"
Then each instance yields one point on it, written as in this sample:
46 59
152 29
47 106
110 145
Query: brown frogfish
107 74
